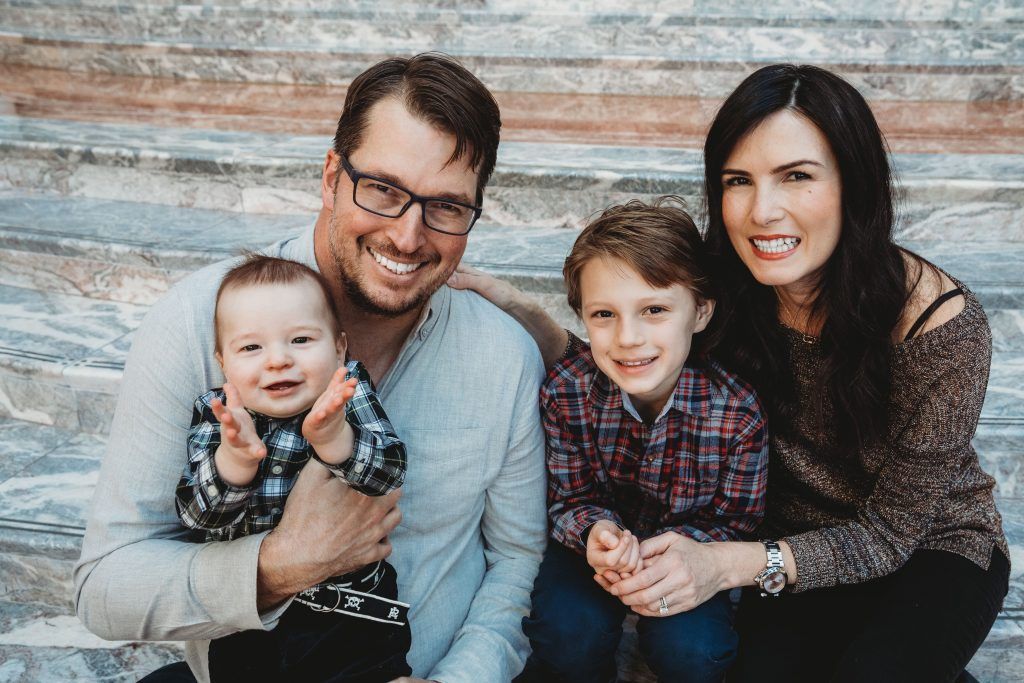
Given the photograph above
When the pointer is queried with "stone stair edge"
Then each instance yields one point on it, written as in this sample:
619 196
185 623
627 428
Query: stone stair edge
477 58
219 152
795 8
815 16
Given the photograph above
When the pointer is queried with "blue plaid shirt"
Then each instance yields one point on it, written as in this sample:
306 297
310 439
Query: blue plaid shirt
207 503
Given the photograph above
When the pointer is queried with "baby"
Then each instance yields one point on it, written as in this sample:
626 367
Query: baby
289 396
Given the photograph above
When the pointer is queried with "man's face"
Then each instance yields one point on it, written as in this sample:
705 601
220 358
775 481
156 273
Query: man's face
391 266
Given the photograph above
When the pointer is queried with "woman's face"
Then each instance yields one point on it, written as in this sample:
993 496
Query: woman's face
781 201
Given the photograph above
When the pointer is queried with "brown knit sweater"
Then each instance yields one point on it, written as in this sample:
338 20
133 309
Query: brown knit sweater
857 516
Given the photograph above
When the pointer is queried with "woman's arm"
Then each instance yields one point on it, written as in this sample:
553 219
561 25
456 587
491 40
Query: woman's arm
687 573
548 334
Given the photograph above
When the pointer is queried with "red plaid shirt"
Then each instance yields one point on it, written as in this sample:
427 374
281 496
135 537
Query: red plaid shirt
699 469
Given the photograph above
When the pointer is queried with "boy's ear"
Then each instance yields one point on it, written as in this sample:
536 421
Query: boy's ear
705 309
329 179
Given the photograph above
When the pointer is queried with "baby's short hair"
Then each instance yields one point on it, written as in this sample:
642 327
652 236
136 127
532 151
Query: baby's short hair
258 269
658 240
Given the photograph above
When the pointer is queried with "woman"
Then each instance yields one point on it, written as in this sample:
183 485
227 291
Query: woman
873 364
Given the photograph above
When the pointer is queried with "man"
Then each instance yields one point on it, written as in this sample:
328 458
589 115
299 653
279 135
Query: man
415 146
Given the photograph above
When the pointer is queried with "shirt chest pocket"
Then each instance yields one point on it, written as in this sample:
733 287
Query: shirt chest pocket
449 471
695 481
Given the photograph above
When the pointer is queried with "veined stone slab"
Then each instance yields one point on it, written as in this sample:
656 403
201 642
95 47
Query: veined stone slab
985 78
534 184
40 536
958 39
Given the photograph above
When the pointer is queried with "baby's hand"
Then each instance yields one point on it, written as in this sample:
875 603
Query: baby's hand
612 549
241 450
325 427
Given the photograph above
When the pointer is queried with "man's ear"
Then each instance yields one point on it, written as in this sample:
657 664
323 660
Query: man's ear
342 345
220 359
329 179
705 309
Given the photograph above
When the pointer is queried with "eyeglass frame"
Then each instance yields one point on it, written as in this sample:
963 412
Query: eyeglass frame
414 198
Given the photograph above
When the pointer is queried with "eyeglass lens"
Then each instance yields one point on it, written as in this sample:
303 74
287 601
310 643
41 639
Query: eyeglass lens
388 200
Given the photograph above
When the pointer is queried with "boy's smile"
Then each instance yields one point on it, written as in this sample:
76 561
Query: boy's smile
639 334
278 345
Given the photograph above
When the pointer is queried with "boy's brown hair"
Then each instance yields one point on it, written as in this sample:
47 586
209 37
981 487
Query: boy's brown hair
658 240
258 269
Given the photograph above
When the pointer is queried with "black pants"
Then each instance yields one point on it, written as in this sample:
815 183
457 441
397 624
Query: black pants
315 645
923 622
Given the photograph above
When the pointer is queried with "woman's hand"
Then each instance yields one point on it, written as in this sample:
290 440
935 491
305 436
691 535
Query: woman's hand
677 568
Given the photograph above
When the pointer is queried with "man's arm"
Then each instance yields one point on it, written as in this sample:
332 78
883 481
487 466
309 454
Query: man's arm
137 578
491 646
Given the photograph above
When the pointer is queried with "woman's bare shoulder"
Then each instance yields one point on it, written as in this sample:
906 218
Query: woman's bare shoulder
926 283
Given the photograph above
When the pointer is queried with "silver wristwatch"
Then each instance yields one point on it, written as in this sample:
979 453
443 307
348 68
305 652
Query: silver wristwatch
772 578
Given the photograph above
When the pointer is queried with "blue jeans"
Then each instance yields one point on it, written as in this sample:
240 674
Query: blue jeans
575 627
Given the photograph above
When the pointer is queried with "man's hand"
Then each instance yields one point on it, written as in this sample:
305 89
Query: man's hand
327 529
676 568
325 427
612 549
241 450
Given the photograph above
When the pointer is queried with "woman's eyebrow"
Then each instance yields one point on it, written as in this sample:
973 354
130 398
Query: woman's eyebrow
793 164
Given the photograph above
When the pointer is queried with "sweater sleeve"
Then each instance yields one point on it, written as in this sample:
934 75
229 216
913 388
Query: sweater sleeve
922 460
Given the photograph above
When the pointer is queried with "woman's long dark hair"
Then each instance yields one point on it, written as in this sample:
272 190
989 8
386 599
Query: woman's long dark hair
863 287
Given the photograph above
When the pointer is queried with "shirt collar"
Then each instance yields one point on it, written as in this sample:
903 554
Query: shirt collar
693 395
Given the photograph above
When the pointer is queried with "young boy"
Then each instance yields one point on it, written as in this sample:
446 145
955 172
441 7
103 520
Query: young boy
645 435
289 397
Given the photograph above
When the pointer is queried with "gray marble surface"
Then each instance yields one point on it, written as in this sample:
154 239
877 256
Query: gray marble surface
534 184
556 32
35 617
978 76
882 10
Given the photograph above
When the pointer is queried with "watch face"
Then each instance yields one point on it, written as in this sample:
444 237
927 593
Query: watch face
774 582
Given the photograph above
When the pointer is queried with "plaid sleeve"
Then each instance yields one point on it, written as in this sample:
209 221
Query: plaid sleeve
738 505
378 461
204 500
575 501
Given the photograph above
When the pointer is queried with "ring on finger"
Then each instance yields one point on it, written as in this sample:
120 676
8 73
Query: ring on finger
662 606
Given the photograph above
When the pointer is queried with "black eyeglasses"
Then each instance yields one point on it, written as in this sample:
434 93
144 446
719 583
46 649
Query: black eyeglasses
384 198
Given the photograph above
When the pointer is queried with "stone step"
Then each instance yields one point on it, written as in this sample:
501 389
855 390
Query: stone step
46 483
957 39
132 252
674 65
803 10
535 184
663 121
62 357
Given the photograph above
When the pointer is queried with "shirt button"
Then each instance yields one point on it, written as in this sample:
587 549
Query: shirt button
211 490
277 469
275 511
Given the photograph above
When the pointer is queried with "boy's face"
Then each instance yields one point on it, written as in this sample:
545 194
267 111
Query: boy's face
640 335
277 345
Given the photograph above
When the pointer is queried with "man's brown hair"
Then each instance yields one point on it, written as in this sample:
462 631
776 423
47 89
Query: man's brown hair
440 91
258 269
659 241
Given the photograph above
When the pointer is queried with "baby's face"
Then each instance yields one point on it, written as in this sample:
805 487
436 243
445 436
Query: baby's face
278 346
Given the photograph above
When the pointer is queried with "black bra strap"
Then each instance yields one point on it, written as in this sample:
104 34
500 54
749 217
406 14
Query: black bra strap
923 318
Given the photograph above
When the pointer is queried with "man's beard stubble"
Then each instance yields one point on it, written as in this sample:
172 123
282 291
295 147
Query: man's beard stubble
354 290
